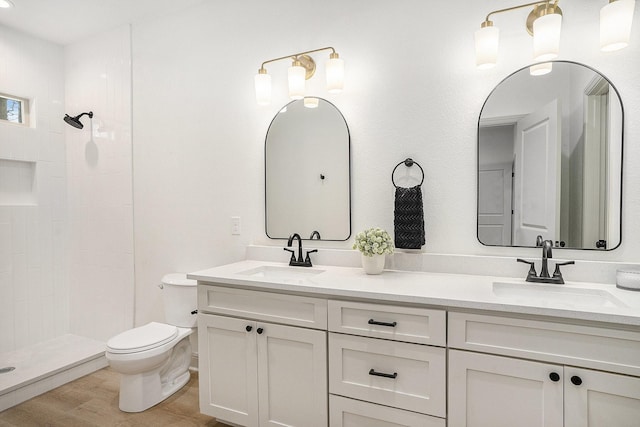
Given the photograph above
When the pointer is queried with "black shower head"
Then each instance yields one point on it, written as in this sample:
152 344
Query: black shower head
75 121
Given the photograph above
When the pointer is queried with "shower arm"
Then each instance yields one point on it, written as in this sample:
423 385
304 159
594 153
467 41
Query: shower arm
90 114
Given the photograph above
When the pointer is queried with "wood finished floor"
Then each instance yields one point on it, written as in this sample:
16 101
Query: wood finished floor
93 401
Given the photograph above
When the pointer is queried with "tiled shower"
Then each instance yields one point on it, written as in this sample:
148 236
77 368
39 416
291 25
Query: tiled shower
66 211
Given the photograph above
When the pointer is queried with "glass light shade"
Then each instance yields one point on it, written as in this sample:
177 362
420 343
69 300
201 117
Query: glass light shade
296 82
263 89
615 25
541 69
335 75
310 102
487 40
546 37
5 4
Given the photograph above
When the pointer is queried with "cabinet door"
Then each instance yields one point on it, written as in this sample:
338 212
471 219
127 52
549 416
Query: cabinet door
292 376
227 365
600 399
496 391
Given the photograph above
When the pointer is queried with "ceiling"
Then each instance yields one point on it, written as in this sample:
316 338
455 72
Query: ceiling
67 21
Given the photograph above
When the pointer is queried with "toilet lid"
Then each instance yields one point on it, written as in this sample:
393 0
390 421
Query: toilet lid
142 338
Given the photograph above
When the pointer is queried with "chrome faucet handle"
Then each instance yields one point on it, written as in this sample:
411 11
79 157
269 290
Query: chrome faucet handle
532 268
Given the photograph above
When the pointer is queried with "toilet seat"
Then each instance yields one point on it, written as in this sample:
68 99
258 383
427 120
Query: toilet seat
142 338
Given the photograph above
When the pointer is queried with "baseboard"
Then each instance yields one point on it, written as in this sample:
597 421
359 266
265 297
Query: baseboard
194 362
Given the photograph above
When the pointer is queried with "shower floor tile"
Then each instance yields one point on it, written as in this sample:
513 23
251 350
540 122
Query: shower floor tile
43 360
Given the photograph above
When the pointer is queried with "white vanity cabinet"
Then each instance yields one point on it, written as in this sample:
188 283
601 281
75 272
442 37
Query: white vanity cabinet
261 373
387 365
506 371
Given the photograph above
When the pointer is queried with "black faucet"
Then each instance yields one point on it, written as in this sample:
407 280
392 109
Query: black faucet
299 262
315 234
544 272
546 255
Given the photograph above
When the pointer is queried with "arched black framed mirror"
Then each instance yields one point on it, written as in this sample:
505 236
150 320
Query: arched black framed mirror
550 160
307 172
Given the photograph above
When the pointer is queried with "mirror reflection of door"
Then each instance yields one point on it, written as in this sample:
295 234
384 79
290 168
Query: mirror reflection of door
495 184
536 183
598 225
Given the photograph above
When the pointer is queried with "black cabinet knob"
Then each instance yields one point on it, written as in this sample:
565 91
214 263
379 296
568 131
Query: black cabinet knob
260 330
248 328
554 376
576 380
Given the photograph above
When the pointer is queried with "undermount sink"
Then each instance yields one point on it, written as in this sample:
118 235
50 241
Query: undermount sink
544 295
284 274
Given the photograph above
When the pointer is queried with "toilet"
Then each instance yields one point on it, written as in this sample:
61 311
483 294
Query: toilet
154 359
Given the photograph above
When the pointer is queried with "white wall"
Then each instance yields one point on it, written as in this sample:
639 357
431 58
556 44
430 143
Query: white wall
412 90
496 145
34 293
98 79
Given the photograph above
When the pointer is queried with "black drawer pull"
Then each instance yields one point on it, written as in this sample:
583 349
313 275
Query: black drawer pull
576 380
382 374
554 376
375 322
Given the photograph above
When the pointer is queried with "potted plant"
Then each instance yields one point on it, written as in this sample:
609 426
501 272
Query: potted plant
373 243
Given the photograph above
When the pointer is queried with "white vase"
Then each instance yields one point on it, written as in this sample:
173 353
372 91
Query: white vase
373 264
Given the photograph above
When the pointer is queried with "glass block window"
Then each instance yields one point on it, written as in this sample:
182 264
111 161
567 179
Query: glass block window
14 109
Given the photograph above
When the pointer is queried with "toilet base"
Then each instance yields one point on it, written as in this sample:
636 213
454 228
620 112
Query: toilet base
141 391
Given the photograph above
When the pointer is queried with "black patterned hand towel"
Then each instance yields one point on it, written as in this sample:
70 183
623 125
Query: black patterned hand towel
408 219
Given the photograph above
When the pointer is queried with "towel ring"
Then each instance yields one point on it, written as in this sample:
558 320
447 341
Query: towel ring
408 163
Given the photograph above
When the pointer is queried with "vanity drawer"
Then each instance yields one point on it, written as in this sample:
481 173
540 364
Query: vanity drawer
272 307
417 325
345 412
594 347
402 375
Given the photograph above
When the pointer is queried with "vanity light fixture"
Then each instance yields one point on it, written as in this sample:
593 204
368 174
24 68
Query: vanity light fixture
615 24
297 80
546 31
303 67
544 23
6 4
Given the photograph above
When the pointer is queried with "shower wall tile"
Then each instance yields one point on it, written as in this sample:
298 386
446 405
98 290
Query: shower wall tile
22 309
33 69
6 312
5 214
100 218
6 246
66 261
19 230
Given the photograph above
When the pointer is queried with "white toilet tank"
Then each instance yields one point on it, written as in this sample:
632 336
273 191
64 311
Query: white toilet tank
180 299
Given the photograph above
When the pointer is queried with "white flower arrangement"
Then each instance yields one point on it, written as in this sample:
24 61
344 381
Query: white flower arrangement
373 241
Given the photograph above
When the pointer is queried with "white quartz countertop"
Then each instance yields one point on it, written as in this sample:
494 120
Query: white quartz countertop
573 300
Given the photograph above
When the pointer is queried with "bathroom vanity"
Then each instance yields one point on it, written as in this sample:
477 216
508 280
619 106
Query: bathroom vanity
332 346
